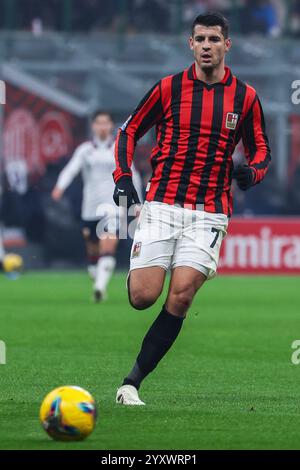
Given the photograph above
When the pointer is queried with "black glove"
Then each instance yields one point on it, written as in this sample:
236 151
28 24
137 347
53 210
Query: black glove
124 188
245 177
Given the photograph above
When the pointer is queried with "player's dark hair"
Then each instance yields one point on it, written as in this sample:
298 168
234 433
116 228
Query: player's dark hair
212 18
101 112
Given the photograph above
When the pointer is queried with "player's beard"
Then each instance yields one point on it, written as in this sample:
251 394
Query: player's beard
207 68
210 67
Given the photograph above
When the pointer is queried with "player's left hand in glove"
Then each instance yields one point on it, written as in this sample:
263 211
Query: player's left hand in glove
245 177
124 188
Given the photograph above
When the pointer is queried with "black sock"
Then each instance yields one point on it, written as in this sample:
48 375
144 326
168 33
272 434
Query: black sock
156 344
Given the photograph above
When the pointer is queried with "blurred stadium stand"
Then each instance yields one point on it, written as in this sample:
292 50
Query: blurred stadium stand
56 79
268 17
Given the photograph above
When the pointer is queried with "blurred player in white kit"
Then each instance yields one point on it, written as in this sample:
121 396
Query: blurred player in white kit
95 161
2 250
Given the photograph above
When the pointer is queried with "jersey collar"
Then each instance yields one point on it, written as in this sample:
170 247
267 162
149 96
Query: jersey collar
227 80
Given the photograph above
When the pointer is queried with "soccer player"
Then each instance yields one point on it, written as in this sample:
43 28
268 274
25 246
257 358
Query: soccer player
95 161
2 250
200 115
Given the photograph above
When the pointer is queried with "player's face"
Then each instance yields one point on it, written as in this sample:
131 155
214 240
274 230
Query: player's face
209 46
102 126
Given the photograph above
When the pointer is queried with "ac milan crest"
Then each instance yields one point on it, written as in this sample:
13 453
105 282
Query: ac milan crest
231 120
136 251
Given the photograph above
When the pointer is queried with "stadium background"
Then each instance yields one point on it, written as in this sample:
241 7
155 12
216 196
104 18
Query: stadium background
63 59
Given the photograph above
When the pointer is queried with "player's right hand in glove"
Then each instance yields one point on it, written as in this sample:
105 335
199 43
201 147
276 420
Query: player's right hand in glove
245 177
124 188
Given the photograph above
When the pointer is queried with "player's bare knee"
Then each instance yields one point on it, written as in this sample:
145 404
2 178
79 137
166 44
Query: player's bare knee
137 296
184 301
142 295
141 300
182 297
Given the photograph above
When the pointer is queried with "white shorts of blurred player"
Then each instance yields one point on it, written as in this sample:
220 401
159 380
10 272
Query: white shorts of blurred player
109 220
170 236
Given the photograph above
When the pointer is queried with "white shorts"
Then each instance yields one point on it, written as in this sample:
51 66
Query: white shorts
169 236
107 221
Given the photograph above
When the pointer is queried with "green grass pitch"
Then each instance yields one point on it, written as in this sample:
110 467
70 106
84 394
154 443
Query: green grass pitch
228 383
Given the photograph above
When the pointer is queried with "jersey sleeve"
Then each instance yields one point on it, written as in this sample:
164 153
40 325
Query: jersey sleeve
255 140
71 170
146 115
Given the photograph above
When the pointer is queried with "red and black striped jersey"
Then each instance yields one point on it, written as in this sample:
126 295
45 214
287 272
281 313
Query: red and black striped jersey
197 129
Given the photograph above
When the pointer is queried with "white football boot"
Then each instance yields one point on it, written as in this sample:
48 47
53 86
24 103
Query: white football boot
128 395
